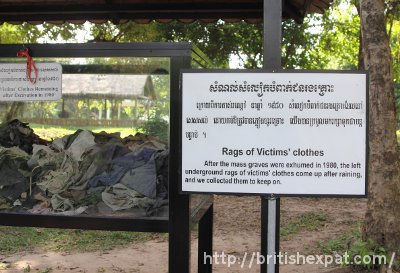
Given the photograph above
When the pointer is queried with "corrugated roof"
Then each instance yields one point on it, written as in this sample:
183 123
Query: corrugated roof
144 11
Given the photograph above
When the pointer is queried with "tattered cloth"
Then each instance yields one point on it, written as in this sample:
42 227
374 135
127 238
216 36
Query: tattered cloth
82 169
17 133
14 175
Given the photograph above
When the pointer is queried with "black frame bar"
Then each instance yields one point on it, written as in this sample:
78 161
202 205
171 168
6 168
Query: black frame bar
103 49
205 241
179 224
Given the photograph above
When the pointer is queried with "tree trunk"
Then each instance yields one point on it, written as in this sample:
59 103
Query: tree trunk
382 220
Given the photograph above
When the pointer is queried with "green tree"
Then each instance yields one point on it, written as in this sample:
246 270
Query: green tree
27 33
339 38
11 34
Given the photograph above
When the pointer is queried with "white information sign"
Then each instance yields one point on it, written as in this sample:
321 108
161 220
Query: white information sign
15 85
300 133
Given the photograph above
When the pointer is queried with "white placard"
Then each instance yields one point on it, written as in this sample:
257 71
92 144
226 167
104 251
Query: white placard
274 133
15 85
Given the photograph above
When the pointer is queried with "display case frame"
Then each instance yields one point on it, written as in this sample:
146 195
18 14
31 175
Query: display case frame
180 214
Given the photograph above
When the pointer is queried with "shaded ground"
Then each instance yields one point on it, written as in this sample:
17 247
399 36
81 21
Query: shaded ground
309 226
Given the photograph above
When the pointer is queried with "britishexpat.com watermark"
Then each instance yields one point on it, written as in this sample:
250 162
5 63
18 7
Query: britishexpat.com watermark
249 259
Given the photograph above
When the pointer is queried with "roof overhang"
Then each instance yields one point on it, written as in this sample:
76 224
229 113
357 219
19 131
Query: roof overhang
144 11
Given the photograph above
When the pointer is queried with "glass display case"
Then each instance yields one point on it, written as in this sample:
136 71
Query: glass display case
103 155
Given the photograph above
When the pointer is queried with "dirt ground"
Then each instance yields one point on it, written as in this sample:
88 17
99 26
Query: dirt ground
236 232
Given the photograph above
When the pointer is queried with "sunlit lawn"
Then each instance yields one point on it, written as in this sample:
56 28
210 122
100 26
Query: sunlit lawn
52 131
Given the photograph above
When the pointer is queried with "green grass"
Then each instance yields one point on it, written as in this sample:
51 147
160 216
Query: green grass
309 221
52 131
350 243
341 243
15 239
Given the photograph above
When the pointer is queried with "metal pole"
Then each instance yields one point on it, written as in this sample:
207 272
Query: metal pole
270 229
205 241
179 211
272 34
271 234
270 207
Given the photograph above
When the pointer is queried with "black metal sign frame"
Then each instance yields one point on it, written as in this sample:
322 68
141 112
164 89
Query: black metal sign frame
253 71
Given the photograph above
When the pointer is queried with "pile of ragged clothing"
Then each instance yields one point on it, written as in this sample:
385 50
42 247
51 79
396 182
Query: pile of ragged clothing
86 172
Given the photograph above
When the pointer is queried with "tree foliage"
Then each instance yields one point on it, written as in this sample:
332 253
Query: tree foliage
27 33
12 34
395 46
329 41
321 42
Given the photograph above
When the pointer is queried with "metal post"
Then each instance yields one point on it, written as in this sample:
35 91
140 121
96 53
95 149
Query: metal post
272 34
271 234
270 229
205 242
179 212
270 207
